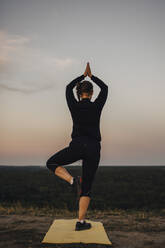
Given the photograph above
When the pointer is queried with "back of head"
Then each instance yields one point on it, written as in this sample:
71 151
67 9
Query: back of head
84 87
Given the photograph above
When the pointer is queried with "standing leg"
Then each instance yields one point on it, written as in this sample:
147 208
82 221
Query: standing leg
88 174
85 196
89 168
83 206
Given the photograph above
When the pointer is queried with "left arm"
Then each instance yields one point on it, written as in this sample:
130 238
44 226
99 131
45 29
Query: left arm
69 90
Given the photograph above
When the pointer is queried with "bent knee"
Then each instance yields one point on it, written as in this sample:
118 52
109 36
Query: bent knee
48 163
51 165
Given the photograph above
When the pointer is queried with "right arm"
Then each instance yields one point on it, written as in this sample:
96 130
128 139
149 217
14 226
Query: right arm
101 98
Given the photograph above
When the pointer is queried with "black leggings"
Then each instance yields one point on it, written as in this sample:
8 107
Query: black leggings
84 148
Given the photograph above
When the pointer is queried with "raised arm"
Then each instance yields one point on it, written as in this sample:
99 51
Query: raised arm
69 90
101 98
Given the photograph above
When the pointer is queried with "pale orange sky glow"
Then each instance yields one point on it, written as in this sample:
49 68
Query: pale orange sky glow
124 43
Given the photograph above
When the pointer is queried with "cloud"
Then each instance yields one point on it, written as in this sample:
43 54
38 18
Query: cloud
25 91
27 69
19 40
63 62
9 44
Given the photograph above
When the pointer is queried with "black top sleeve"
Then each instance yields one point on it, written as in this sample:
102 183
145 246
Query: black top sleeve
69 90
101 98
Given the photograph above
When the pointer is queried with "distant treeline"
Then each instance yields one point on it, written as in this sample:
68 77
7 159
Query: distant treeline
124 187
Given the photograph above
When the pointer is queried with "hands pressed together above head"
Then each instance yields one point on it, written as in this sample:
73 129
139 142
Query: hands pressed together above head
88 71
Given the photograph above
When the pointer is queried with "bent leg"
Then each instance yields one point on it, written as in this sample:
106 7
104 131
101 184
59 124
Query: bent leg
63 157
64 174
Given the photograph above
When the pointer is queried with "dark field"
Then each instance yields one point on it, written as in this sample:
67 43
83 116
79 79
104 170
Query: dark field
129 201
114 187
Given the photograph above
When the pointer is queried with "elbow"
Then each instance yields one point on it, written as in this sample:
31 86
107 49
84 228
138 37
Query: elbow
106 89
67 88
106 86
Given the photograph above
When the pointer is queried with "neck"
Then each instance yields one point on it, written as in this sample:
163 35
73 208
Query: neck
85 98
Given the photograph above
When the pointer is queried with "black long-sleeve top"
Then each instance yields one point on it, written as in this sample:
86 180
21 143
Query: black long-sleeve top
86 114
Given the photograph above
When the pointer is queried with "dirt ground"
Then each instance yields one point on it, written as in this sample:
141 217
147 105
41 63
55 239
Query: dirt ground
128 231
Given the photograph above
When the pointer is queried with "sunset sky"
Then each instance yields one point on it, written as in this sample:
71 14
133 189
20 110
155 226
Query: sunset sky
45 44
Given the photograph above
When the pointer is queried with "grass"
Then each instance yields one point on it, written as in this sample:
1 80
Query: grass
47 210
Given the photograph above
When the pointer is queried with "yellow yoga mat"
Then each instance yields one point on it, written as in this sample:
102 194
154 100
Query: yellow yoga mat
63 231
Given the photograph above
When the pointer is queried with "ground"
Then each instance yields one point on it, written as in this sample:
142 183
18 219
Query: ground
125 230
31 197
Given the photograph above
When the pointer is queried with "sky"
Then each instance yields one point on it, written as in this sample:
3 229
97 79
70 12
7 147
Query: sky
44 45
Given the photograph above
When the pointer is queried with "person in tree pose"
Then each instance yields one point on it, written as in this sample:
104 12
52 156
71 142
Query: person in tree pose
85 141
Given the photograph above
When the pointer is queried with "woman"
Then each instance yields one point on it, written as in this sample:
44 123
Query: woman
86 139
